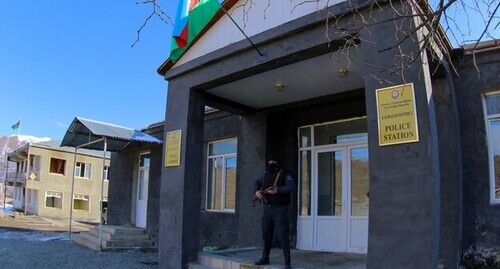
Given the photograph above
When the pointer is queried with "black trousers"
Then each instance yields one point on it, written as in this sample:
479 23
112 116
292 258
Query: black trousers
275 218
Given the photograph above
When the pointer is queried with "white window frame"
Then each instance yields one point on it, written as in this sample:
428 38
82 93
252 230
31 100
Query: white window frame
87 170
491 161
105 173
56 194
84 197
223 187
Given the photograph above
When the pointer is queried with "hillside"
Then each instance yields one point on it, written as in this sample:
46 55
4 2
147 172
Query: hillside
12 142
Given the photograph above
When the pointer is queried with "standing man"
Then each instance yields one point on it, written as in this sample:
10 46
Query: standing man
274 189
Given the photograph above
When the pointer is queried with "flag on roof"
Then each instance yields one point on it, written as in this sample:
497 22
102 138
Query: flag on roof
16 126
192 17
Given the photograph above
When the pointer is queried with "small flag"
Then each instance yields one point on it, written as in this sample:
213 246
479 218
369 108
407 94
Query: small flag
16 126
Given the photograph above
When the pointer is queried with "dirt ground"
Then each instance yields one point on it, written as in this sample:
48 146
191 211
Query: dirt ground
35 242
20 221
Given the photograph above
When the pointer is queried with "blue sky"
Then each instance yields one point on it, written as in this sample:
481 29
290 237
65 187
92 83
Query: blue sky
62 59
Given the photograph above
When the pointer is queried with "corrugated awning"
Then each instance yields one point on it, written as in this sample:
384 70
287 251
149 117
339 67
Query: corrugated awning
84 131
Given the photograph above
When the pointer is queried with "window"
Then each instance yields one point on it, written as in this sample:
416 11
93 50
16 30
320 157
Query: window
221 175
32 197
492 114
82 170
317 135
80 202
105 173
34 163
143 180
57 166
53 199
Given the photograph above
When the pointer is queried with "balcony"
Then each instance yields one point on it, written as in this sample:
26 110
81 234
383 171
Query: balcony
20 177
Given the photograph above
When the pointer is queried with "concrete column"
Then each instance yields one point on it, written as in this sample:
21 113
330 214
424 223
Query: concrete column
120 194
251 164
180 186
404 178
451 172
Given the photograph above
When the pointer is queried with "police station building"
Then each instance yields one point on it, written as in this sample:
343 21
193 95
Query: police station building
402 166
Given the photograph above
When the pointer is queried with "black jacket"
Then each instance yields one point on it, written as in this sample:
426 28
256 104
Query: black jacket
285 186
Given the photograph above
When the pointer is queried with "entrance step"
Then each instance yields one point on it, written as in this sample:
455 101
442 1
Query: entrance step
115 238
226 260
243 258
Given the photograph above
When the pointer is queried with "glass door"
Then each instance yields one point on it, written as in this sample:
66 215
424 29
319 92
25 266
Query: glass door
333 185
337 217
358 199
329 216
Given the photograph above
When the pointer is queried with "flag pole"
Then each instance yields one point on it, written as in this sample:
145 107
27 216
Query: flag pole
245 35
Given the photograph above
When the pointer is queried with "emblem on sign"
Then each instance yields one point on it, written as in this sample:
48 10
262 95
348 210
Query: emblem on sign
395 94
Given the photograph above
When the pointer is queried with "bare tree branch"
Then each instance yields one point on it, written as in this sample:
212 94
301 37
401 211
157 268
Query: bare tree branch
158 12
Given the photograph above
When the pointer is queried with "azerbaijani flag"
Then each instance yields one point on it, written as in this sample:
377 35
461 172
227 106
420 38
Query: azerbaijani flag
16 126
192 16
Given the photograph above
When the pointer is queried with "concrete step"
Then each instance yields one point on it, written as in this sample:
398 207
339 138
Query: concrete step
199 266
115 244
212 260
114 238
121 235
112 229
86 242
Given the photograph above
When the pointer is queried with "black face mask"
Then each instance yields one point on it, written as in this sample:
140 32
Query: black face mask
272 167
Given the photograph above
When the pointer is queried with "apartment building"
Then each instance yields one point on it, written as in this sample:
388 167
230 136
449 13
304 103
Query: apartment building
49 180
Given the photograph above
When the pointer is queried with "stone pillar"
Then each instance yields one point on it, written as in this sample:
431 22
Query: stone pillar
404 178
120 192
451 172
180 186
251 164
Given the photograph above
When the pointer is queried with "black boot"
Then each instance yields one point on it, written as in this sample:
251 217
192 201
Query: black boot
262 261
286 255
265 254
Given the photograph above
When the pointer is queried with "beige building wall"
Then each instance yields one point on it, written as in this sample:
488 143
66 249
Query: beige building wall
49 194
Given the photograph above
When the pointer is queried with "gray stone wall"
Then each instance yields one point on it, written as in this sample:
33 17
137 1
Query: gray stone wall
123 174
404 214
481 220
219 229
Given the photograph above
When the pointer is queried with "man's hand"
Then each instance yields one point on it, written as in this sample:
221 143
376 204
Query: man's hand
258 195
272 191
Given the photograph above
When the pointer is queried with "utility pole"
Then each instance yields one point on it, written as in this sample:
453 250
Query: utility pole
6 168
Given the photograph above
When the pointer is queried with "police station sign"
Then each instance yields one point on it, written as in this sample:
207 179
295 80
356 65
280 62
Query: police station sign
173 148
397 115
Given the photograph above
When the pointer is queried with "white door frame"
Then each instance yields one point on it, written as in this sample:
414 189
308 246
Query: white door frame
141 199
332 237
340 238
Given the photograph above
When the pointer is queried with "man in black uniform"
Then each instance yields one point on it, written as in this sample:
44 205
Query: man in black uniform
274 189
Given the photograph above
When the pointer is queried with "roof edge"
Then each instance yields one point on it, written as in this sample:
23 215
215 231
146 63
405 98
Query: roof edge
168 64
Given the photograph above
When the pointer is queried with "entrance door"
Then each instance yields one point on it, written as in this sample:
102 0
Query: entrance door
141 205
338 220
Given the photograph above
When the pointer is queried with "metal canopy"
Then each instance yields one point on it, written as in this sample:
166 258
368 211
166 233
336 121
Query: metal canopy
91 134
83 131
